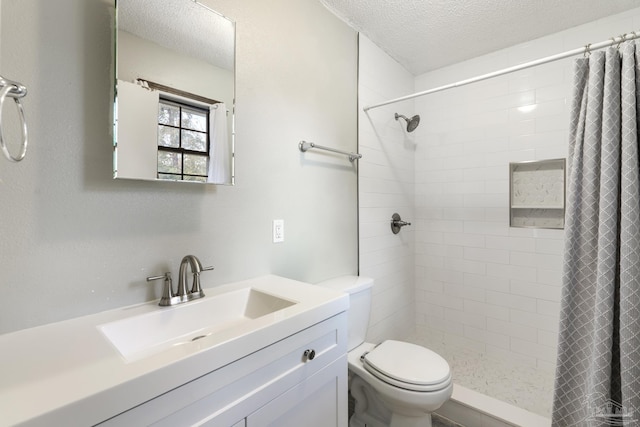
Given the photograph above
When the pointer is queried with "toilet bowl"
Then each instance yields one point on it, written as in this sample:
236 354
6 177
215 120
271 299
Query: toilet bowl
409 399
394 383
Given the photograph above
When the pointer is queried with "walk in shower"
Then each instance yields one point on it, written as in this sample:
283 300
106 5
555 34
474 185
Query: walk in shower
462 281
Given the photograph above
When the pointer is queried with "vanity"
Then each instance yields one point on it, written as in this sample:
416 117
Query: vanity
259 352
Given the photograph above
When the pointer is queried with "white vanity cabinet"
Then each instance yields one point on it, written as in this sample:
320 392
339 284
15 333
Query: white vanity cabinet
278 385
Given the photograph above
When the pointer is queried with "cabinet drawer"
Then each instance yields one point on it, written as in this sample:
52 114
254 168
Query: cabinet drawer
226 395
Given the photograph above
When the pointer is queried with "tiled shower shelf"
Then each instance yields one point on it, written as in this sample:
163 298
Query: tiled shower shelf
537 193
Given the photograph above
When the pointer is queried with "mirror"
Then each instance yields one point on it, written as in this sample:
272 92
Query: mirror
174 92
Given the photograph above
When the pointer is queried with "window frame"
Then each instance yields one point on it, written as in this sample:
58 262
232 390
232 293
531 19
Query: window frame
181 150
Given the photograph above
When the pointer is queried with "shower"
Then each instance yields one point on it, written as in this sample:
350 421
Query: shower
412 123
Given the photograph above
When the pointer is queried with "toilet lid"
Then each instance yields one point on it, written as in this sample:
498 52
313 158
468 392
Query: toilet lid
408 365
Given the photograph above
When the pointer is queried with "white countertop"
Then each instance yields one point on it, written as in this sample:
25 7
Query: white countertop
68 373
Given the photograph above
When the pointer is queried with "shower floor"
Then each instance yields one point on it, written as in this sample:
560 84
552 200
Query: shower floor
522 386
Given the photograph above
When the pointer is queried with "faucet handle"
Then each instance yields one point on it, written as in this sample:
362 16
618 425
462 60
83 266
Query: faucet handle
167 290
164 276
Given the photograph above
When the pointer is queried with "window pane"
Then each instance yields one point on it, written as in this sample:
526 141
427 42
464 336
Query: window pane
168 137
194 119
169 162
195 165
195 178
194 140
168 114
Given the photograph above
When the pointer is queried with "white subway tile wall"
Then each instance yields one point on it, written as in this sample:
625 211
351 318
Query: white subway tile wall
386 186
480 284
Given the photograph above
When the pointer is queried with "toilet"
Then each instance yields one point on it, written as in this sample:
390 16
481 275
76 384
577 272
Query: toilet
394 383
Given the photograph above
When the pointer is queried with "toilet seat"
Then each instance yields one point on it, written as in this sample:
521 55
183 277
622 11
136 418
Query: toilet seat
408 366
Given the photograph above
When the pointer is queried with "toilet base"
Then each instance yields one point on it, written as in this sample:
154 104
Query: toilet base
370 411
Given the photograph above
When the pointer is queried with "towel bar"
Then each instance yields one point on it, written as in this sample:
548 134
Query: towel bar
304 146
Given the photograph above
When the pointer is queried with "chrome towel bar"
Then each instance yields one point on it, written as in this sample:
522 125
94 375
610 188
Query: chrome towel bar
304 146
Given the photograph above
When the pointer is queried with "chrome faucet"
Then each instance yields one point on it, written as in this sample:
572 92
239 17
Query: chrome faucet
169 297
196 269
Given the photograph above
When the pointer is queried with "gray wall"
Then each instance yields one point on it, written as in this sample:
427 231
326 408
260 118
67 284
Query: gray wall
75 242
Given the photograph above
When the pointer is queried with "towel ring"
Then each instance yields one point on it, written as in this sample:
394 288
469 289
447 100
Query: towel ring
4 92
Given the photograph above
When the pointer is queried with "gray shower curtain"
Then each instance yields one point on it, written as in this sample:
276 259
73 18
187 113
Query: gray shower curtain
598 371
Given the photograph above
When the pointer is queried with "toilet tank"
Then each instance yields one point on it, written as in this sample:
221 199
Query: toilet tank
359 289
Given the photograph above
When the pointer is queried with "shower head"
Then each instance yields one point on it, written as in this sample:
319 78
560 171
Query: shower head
412 123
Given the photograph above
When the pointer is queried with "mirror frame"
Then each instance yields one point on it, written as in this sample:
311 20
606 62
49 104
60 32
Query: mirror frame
170 93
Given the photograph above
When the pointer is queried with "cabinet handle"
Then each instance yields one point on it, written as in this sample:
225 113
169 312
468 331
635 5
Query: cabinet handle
309 354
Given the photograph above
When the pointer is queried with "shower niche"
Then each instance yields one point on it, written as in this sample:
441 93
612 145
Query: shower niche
537 194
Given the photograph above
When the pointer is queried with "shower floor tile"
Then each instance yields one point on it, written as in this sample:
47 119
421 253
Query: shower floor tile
522 386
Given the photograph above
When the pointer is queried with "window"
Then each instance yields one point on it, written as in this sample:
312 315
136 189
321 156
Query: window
183 141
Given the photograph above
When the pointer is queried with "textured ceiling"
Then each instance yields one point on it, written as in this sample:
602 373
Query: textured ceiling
181 25
424 35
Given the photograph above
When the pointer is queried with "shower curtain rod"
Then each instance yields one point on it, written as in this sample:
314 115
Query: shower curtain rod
585 50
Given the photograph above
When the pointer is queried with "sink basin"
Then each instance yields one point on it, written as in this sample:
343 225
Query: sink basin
146 334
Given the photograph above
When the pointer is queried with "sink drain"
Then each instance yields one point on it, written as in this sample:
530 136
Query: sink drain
198 337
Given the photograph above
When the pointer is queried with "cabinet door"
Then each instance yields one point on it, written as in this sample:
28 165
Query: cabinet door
318 401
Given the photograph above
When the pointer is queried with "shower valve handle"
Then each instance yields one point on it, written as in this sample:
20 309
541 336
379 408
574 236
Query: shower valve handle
397 223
